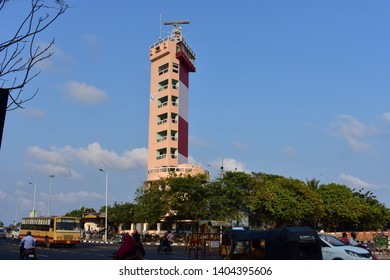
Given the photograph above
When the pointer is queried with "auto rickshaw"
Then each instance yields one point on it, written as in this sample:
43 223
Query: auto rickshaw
288 243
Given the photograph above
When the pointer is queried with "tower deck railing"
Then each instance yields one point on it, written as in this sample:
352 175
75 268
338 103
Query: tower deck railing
170 38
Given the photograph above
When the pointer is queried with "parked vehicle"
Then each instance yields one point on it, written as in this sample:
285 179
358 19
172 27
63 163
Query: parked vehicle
15 234
289 243
334 249
2 233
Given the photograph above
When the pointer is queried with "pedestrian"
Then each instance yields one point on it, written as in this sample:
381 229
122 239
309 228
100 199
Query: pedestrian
139 247
127 249
344 238
352 240
136 236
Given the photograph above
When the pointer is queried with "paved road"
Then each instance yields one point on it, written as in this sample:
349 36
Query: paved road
9 250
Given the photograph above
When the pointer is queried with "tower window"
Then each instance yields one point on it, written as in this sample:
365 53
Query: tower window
174 135
162 136
163 101
175 84
174 117
163 69
161 153
175 101
162 85
175 67
161 119
173 153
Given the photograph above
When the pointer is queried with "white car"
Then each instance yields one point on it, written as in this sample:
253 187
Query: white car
15 234
334 249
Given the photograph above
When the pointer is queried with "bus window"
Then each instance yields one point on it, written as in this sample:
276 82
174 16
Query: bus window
68 224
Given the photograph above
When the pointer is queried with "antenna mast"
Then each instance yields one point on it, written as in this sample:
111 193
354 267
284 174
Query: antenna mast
176 32
160 26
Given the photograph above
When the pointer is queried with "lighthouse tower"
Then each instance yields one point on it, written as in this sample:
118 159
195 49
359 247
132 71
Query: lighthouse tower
171 62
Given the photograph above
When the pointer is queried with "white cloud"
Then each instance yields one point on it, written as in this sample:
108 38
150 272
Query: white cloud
240 145
197 141
229 164
34 113
56 160
3 195
52 156
93 45
386 116
24 203
356 182
91 39
94 154
59 170
85 93
59 57
288 151
352 131
20 193
75 197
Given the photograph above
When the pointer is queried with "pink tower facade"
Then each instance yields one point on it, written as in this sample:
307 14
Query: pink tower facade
171 62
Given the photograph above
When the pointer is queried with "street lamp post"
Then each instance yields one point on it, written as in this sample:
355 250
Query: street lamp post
49 204
105 222
35 192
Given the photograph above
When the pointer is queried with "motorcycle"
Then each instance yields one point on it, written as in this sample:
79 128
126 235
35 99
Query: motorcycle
164 246
29 254
364 246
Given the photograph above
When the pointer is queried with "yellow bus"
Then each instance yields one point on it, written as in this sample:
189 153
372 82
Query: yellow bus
52 230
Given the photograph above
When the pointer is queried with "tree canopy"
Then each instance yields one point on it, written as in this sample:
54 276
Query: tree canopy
258 199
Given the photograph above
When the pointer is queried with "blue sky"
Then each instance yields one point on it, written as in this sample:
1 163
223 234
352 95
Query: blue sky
294 88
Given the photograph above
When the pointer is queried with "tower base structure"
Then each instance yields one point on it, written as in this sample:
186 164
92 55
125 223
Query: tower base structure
180 170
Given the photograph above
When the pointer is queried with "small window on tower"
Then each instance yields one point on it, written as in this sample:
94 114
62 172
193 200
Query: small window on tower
163 69
175 84
175 67
162 85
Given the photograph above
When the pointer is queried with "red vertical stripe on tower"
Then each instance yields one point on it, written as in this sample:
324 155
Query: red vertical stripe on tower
183 137
184 75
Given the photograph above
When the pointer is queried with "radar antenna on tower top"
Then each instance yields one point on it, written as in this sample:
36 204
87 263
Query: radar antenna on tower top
176 32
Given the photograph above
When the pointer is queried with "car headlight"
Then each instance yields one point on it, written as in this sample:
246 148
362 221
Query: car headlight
356 255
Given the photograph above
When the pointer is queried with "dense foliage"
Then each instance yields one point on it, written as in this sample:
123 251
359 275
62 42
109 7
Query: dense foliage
259 200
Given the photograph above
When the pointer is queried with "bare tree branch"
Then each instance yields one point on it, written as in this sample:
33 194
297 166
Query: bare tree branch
20 54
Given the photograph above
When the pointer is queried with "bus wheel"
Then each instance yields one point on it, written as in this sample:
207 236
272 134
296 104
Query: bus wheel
47 243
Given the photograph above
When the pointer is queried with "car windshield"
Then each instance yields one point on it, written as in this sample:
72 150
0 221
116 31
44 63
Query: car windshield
331 240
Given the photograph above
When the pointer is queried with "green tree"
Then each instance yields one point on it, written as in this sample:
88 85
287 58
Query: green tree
119 213
186 195
151 202
80 212
373 214
313 183
235 190
340 206
279 201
